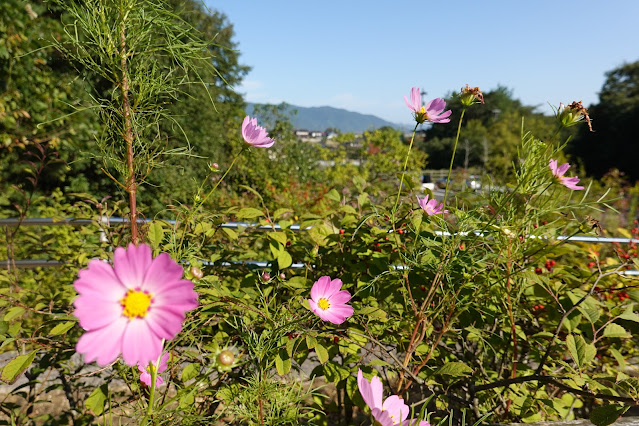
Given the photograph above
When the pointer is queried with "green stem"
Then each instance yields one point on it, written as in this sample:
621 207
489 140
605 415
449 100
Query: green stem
203 200
401 181
452 158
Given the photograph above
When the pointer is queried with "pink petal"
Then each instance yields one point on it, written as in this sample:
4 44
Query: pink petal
179 297
333 288
104 344
372 391
319 288
340 298
396 408
99 281
331 316
553 166
563 169
140 344
165 323
163 362
145 378
162 271
94 314
130 265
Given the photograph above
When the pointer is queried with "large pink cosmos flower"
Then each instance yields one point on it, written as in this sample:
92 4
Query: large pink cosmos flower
433 111
431 207
559 172
128 308
392 411
328 302
145 370
255 135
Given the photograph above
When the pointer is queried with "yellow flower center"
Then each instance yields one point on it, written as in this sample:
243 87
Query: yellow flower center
323 304
136 303
423 110
150 368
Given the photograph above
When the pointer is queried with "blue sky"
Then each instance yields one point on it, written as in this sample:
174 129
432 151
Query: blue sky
364 56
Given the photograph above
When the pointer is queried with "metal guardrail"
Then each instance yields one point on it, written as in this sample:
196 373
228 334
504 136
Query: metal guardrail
34 263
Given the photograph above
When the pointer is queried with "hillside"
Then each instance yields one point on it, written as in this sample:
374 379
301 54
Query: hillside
322 118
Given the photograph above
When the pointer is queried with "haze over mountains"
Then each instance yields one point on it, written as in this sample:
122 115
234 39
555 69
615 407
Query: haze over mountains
322 118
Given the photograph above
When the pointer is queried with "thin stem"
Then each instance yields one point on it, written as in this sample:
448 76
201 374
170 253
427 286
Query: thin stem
452 157
203 200
401 182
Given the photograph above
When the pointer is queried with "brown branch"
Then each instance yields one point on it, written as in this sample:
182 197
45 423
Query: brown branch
131 185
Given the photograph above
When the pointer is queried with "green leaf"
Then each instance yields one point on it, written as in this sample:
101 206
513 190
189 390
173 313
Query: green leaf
249 213
310 342
580 351
231 234
607 415
296 282
280 237
95 401
333 195
4 326
456 369
322 353
16 367
62 328
190 371
14 312
188 399
282 362
156 234
615 330
284 260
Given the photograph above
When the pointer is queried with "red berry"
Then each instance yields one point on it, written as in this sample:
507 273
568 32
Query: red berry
341 231
400 231
461 246
539 271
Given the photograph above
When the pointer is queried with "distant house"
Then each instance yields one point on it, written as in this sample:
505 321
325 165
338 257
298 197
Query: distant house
309 135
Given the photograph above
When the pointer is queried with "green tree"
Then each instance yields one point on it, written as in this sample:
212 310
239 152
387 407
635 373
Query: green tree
615 120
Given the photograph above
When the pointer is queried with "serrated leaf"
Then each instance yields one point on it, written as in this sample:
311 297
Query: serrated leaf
281 212
296 282
14 312
322 353
282 362
95 401
62 328
155 234
284 260
456 369
615 330
619 358
607 414
249 213
580 351
16 367
190 371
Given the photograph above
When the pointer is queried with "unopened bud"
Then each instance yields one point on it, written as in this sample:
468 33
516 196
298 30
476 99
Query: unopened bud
266 276
197 272
226 358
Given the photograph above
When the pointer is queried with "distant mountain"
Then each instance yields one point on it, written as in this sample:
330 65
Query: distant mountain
322 118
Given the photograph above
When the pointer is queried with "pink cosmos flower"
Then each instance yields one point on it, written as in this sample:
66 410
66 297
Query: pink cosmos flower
559 172
431 207
255 135
328 302
128 308
433 111
145 377
392 411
